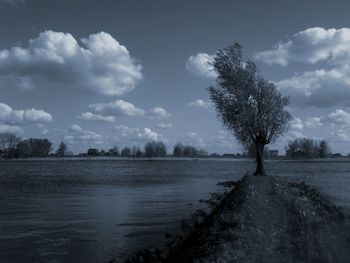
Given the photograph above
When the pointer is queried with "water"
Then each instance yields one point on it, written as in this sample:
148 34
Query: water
95 210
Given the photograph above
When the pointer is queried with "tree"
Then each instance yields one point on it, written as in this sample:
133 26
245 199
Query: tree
155 149
62 150
24 149
8 144
178 149
126 152
92 152
324 149
113 151
307 148
249 106
40 147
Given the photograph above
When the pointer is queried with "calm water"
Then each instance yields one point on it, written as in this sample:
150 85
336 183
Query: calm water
96 210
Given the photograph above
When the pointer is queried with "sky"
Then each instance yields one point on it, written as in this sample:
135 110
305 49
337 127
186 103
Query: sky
105 73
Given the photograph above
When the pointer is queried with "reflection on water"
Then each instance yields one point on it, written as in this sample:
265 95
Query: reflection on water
94 210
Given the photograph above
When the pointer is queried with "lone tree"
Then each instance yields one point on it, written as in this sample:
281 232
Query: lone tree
62 150
249 105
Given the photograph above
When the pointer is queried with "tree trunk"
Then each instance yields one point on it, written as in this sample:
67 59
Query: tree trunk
259 160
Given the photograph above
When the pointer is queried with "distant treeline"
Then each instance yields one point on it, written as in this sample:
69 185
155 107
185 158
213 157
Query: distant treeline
305 148
11 146
181 150
151 149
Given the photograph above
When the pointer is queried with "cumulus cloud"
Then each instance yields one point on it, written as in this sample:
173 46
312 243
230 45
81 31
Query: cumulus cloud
107 111
203 104
100 65
76 134
11 116
320 88
339 117
158 113
43 129
296 124
89 116
192 138
310 46
323 87
118 107
164 125
336 123
313 122
136 134
10 128
200 65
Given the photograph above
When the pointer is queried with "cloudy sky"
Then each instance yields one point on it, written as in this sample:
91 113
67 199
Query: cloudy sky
105 73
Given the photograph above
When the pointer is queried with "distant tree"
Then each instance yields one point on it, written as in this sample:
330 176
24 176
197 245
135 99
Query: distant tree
136 152
155 149
250 106
92 152
24 149
178 149
324 150
62 150
305 148
181 150
113 151
8 143
202 153
40 147
125 152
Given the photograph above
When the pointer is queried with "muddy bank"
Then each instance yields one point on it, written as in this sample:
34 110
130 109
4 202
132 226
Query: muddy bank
263 219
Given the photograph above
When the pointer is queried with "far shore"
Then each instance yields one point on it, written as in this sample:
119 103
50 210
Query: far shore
170 158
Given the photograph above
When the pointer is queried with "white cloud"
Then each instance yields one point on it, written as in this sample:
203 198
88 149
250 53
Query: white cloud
342 135
296 124
135 135
11 116
192 138
320 88
158 113
313 122
119 107
43 129
310 46
338 117
101 65
75 128
76 134
10 128
201 104
199 65
107 111
164 125
89 116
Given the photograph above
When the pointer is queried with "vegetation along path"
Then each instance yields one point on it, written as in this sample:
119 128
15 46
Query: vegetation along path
266 219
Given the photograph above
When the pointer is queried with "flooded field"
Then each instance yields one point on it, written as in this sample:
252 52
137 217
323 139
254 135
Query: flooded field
95 210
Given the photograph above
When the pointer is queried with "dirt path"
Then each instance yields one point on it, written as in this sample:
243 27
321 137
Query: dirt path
266 219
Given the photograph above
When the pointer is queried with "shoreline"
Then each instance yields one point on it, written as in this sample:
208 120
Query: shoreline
265 219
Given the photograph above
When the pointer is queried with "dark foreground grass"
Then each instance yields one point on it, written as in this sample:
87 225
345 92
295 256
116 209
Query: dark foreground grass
262 219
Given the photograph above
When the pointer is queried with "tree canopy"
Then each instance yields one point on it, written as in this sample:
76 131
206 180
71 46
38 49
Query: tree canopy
250 106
